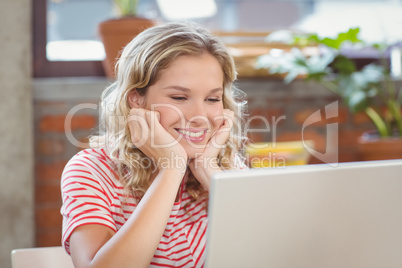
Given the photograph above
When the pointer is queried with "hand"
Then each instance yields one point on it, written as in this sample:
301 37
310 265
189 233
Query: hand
149 136
221 136
207 163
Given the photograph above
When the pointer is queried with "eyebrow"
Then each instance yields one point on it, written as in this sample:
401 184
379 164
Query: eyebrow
184 89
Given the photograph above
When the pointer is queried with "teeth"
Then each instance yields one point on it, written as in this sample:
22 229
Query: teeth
191 134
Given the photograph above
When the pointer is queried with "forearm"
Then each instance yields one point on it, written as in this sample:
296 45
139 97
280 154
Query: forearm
136 242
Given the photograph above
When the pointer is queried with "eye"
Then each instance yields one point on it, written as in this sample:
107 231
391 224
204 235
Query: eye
178 98
213 100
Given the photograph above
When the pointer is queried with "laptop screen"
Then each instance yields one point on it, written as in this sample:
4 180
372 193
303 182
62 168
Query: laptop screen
307 216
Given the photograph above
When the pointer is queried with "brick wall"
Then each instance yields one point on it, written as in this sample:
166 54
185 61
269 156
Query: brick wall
52 151
54 101
271 104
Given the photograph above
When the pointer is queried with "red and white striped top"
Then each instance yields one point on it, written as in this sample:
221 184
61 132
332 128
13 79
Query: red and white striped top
92 194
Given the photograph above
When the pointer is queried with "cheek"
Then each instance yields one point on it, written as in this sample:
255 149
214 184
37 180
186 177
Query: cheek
169 115
216 117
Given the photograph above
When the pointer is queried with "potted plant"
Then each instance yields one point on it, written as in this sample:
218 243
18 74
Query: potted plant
369 89
117 32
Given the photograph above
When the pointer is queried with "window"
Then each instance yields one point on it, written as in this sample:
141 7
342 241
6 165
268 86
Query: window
72 29
379 20
42 66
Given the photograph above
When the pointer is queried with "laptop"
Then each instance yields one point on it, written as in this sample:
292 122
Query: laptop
312 216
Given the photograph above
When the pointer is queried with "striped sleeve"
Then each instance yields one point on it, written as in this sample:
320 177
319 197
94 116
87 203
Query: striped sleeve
86 197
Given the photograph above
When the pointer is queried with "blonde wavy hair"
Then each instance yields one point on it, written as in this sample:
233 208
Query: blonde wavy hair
138 68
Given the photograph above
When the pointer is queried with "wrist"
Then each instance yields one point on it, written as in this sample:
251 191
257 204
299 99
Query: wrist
172 172
203 170
205 162
172 163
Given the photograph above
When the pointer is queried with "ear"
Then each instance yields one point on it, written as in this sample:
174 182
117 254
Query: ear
134 99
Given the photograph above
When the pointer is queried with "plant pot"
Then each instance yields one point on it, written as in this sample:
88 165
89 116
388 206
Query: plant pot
373 147
116 33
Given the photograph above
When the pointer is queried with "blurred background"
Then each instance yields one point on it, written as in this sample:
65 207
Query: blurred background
74 22
51 73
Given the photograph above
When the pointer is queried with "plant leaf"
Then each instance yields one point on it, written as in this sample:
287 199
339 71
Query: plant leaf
357 101
351 36
344 65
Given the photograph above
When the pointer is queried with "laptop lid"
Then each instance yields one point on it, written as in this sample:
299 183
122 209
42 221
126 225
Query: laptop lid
307 216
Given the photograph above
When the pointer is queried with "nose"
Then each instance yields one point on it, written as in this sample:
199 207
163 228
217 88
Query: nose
197 114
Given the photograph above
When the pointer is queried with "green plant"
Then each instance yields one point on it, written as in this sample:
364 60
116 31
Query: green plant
366 90
127 7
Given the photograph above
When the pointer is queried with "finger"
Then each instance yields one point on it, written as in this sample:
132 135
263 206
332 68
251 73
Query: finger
228 118
158 115
158 134
152 117
139 129
134 125
153 121
221 137
228 122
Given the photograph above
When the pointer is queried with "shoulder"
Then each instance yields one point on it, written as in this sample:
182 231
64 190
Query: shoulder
90 159
90 155
90 166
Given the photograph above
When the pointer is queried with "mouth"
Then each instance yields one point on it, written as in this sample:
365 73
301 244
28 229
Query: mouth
193 135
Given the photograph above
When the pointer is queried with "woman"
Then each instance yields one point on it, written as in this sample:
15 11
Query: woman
138 198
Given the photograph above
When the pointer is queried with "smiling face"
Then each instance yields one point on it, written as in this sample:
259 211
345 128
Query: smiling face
188 95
